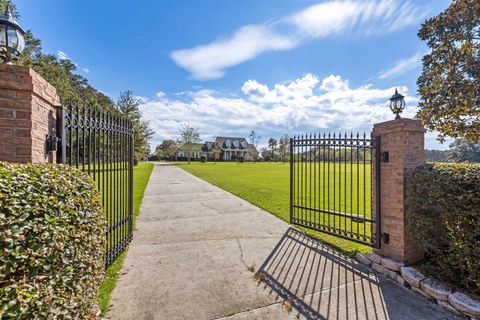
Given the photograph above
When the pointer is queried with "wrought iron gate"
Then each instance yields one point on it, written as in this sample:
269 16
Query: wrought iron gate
101 144
331 185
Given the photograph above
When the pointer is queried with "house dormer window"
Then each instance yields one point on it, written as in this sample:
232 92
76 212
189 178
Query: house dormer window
227 144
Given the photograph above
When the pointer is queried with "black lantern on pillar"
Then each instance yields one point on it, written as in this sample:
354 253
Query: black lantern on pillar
397 104
12 41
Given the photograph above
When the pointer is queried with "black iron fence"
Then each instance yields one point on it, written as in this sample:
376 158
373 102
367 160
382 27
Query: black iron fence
101 144
331 185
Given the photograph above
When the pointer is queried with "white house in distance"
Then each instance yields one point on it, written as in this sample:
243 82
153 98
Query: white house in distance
231 148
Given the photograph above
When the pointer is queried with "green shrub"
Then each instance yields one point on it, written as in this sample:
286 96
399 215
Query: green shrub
443 217
203 158
52 242
241 159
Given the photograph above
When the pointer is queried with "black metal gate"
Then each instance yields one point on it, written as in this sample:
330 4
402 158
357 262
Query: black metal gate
331 185
100 143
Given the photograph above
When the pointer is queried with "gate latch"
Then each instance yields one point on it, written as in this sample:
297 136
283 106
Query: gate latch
385 238
52 143
385 156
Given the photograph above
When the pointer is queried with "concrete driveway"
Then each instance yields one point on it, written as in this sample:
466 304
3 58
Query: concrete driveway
197 248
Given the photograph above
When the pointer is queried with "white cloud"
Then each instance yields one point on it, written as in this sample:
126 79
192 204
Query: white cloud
297 90
86 70
62 55
209 61
305 104
366 18
403 66
329 18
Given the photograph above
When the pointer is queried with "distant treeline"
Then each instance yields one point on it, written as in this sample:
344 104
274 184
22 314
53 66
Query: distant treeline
461 150
436 155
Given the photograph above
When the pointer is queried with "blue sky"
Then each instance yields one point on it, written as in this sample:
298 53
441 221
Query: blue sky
232 66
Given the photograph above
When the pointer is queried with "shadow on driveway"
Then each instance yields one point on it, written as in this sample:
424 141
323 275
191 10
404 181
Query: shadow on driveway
317 282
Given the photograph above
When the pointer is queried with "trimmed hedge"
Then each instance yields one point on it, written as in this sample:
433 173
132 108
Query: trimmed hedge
443 216
51 242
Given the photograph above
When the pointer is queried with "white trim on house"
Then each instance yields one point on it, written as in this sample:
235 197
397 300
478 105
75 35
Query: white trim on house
229 147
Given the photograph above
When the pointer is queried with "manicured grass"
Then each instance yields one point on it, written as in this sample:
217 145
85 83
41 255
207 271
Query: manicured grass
267 185
141 175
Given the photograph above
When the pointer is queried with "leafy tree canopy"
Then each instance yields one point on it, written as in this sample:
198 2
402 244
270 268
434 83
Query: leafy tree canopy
462 150
167 149
449 84
70 86
189 137
129 106
60 73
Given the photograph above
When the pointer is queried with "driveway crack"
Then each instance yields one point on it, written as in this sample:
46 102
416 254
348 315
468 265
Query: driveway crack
207 206
241 253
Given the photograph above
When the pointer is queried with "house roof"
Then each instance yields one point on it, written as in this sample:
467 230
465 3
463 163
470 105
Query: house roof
232 143
208 146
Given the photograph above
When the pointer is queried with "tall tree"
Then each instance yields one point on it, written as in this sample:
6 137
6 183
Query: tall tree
462 150
61 73
216 150
272 144
283 147
190 136
129 107
254 140
167 149
449 84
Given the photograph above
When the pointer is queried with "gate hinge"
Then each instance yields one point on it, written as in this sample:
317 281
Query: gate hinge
52 143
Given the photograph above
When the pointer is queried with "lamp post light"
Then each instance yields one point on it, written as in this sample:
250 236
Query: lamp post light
12 41
397 104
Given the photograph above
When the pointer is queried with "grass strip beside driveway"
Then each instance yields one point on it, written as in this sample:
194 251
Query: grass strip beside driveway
141 175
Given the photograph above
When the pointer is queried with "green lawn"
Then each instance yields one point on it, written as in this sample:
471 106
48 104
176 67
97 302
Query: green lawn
141 174
266 185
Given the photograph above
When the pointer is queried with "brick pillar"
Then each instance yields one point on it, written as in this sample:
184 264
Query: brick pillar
28 105
403 139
